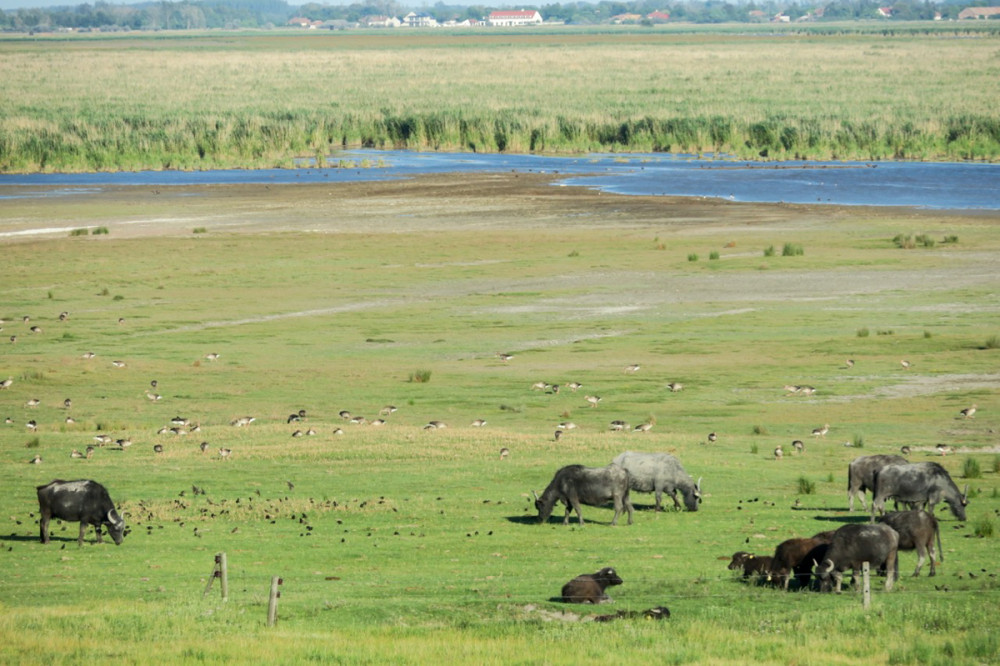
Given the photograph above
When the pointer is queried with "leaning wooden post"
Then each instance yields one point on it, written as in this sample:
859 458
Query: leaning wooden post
866 586
220 571
272 601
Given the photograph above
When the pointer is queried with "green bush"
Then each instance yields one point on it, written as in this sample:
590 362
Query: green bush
806 487
792 250
79 232
863 332
970 469
992 342
420 377
858 442
100 231
759 430
692 257
713 255
769 251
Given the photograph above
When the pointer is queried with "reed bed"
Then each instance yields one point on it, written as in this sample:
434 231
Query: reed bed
253 100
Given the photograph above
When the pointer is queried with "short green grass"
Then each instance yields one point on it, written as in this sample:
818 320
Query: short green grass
403 545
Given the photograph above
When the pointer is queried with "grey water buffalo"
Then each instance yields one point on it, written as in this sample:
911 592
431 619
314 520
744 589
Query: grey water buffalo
574 485
795 558
861 475
84 501
917 531
854 544
659 473
919 484
589 588
757 566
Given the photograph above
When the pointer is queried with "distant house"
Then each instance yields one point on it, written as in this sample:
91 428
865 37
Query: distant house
514 18
979 13
301 22
626 18
380 22
421 20
658 17
781 18
884 12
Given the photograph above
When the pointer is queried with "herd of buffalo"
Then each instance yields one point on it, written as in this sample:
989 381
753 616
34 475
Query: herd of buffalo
826 555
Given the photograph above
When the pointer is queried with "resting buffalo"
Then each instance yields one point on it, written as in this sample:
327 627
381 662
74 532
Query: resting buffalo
659 473
796 557
861 475
574 485
86 502
923 484
589 588
917 531
854 544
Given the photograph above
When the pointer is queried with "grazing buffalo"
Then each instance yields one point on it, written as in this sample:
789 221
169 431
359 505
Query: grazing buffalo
917 531
861 475
574 485
854 544
659 473
86 502
589 588
796 558
758 566
923 484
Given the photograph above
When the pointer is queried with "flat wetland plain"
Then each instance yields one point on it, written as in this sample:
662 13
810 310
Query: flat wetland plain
397 543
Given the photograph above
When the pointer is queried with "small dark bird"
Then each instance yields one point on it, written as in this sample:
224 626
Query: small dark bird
90 452
203 446
557 435
225 453
291 486
504 452
157 448
798 446
968 412
905 450
712 437
67 403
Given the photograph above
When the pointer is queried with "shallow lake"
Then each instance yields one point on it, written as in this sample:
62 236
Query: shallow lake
922 184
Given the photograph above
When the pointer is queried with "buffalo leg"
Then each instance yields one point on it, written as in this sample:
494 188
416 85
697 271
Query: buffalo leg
83 529
44 526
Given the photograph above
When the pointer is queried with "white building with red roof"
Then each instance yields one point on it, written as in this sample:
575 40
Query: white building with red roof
514 17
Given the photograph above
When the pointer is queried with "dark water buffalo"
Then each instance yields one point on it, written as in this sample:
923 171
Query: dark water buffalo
589 588
574 485
923 484
861 475
659 473
854 544
917 531
795 558
758 566
84 501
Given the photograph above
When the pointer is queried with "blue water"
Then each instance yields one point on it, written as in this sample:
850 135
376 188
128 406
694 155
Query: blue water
921 184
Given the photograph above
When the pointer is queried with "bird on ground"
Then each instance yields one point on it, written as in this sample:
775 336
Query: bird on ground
618 425
632 369
821 432
807 390
969 412
212 357
75 454
643 427
504 452
157 448
89 452
592 399
32 425
504 357
849 363
478 423
944 449
905 450
798 446
203 446
566 425
67 403
338 431
778 453
387 410
906 364
36 460
34 402
225 453
7 383
712 437
155 397
291 486
344 414
89 355
557 434
675 386
573 386
118 364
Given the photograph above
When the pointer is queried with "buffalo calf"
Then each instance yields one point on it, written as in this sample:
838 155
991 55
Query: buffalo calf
589 588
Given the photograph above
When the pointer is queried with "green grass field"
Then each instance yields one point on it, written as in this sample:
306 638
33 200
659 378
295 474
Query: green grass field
219 99
398 544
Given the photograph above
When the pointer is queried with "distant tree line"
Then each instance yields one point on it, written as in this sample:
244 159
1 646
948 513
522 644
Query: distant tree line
235 14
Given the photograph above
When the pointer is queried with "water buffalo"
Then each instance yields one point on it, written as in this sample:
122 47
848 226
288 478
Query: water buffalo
796 558
659 473
924 484
917 531
758 566
854 544
589 588
861 475
84 501
574 485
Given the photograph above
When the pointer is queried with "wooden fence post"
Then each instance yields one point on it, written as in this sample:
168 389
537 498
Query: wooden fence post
866 585
272 601
220 571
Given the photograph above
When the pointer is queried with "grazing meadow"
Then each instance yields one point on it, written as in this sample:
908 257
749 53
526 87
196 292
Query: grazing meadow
397 543
220 99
